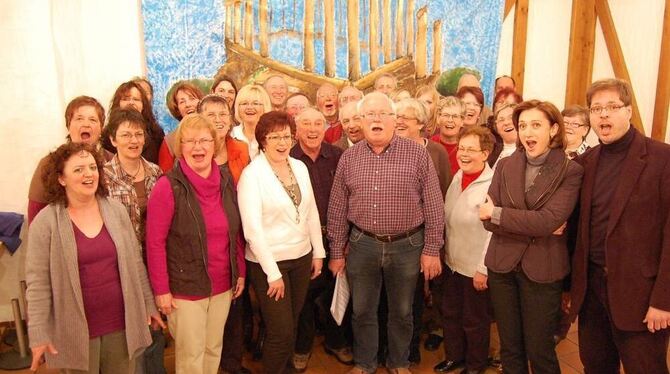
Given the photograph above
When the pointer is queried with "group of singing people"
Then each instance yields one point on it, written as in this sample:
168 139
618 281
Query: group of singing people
443 215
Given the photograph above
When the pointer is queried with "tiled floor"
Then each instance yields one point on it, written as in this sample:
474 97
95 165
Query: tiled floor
321 363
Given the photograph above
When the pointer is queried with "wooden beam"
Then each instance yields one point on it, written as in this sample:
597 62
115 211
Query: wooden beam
409 28
263 28
437 46
421 48
373 41
519 43
508 7
399 28
249 24
616 55
308 36
237 22
581 51
353 43
660 124
386 30
329 37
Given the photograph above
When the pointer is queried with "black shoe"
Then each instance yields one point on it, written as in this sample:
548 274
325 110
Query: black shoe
446 366
432 342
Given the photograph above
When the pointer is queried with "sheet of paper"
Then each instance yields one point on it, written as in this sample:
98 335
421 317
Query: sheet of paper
340 298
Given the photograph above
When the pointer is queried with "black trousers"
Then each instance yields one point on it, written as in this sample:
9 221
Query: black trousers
466 321
317 308
602 345
281 317
527 314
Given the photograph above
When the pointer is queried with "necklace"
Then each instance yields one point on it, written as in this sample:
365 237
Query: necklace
290 189
139 167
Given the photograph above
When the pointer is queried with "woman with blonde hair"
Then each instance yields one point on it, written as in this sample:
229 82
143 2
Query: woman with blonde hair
429 97
251 103
194 248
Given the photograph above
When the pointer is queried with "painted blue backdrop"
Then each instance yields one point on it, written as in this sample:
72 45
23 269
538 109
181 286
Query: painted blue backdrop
185 39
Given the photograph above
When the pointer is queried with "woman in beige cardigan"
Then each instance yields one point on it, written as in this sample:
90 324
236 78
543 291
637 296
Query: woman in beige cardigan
89 299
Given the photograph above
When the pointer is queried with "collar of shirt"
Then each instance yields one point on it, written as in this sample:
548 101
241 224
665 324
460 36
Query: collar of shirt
388 147
298 153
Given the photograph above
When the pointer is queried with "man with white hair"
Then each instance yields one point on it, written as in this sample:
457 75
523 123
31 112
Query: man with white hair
385 222
348 94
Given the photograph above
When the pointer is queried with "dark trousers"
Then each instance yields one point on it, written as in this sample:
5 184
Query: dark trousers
317 306
602 345
281 317
527 314
466 321
233 336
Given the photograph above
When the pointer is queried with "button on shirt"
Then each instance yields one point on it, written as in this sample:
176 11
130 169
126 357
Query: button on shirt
387 193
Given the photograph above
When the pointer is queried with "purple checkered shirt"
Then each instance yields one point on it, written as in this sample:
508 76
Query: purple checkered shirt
389 193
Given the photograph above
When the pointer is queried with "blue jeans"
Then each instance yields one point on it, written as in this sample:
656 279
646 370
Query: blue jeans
368 263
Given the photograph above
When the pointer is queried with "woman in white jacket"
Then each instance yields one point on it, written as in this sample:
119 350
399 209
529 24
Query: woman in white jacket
466 303
283 232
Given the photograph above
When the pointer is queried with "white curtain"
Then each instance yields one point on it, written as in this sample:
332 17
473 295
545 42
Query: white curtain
53 51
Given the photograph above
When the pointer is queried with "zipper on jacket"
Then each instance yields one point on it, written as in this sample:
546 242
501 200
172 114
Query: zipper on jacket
202 246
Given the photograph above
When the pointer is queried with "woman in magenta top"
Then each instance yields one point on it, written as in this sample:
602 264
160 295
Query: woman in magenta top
195 252
88 295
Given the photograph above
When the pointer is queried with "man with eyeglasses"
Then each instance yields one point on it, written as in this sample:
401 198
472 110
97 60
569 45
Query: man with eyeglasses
385 222
620 285
351 126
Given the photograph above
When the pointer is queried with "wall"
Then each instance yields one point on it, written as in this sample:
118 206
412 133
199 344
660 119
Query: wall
639 28
54 51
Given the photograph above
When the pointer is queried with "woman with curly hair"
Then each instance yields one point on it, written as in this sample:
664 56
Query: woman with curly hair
89 299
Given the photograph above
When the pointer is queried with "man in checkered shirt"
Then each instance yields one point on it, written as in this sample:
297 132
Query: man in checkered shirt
385 222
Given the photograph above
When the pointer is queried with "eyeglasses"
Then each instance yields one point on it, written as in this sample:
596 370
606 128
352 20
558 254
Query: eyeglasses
468 150
190 143
127 136
383 115
449 116
609 108
405 118
574 125
251 103
278 138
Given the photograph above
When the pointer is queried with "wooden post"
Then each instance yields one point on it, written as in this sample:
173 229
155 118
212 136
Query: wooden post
308 37
374 35
353 42
616 55
237 22
437 46
386 30
421 51
228 29
519 43
508 7
660 124
329 37
399 23
409 32
580 55
249 24
263 27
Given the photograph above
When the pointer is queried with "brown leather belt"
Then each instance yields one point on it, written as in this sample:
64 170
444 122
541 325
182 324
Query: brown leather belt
390 237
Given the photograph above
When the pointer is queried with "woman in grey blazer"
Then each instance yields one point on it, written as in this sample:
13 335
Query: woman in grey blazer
89 300
531 196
